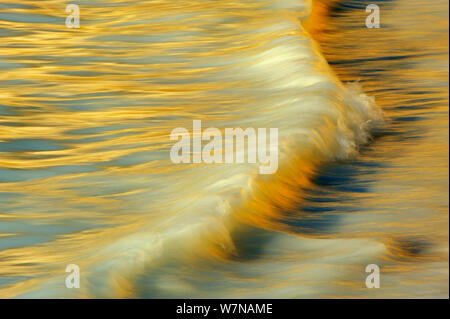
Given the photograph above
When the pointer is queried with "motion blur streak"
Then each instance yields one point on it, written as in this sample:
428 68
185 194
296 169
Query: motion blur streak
86 178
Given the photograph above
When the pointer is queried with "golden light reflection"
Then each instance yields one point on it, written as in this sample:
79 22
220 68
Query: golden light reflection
86 178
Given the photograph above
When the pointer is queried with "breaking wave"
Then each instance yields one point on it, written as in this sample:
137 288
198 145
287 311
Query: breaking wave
86 176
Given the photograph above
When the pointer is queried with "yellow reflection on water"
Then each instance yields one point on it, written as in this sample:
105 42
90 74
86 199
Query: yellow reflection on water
85 119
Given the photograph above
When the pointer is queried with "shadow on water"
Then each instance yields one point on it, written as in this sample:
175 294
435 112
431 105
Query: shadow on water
332 195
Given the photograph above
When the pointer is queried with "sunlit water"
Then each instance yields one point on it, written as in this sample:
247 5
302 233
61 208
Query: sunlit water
85 174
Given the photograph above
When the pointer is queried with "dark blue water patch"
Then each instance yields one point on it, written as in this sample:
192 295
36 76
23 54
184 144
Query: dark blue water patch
250 243
408 118
340 177
405 248
318 209
411 107
376 59
374 70
316 216
423 106
338 8
425 101
394 89
424 92
414 245
333 195
404 133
